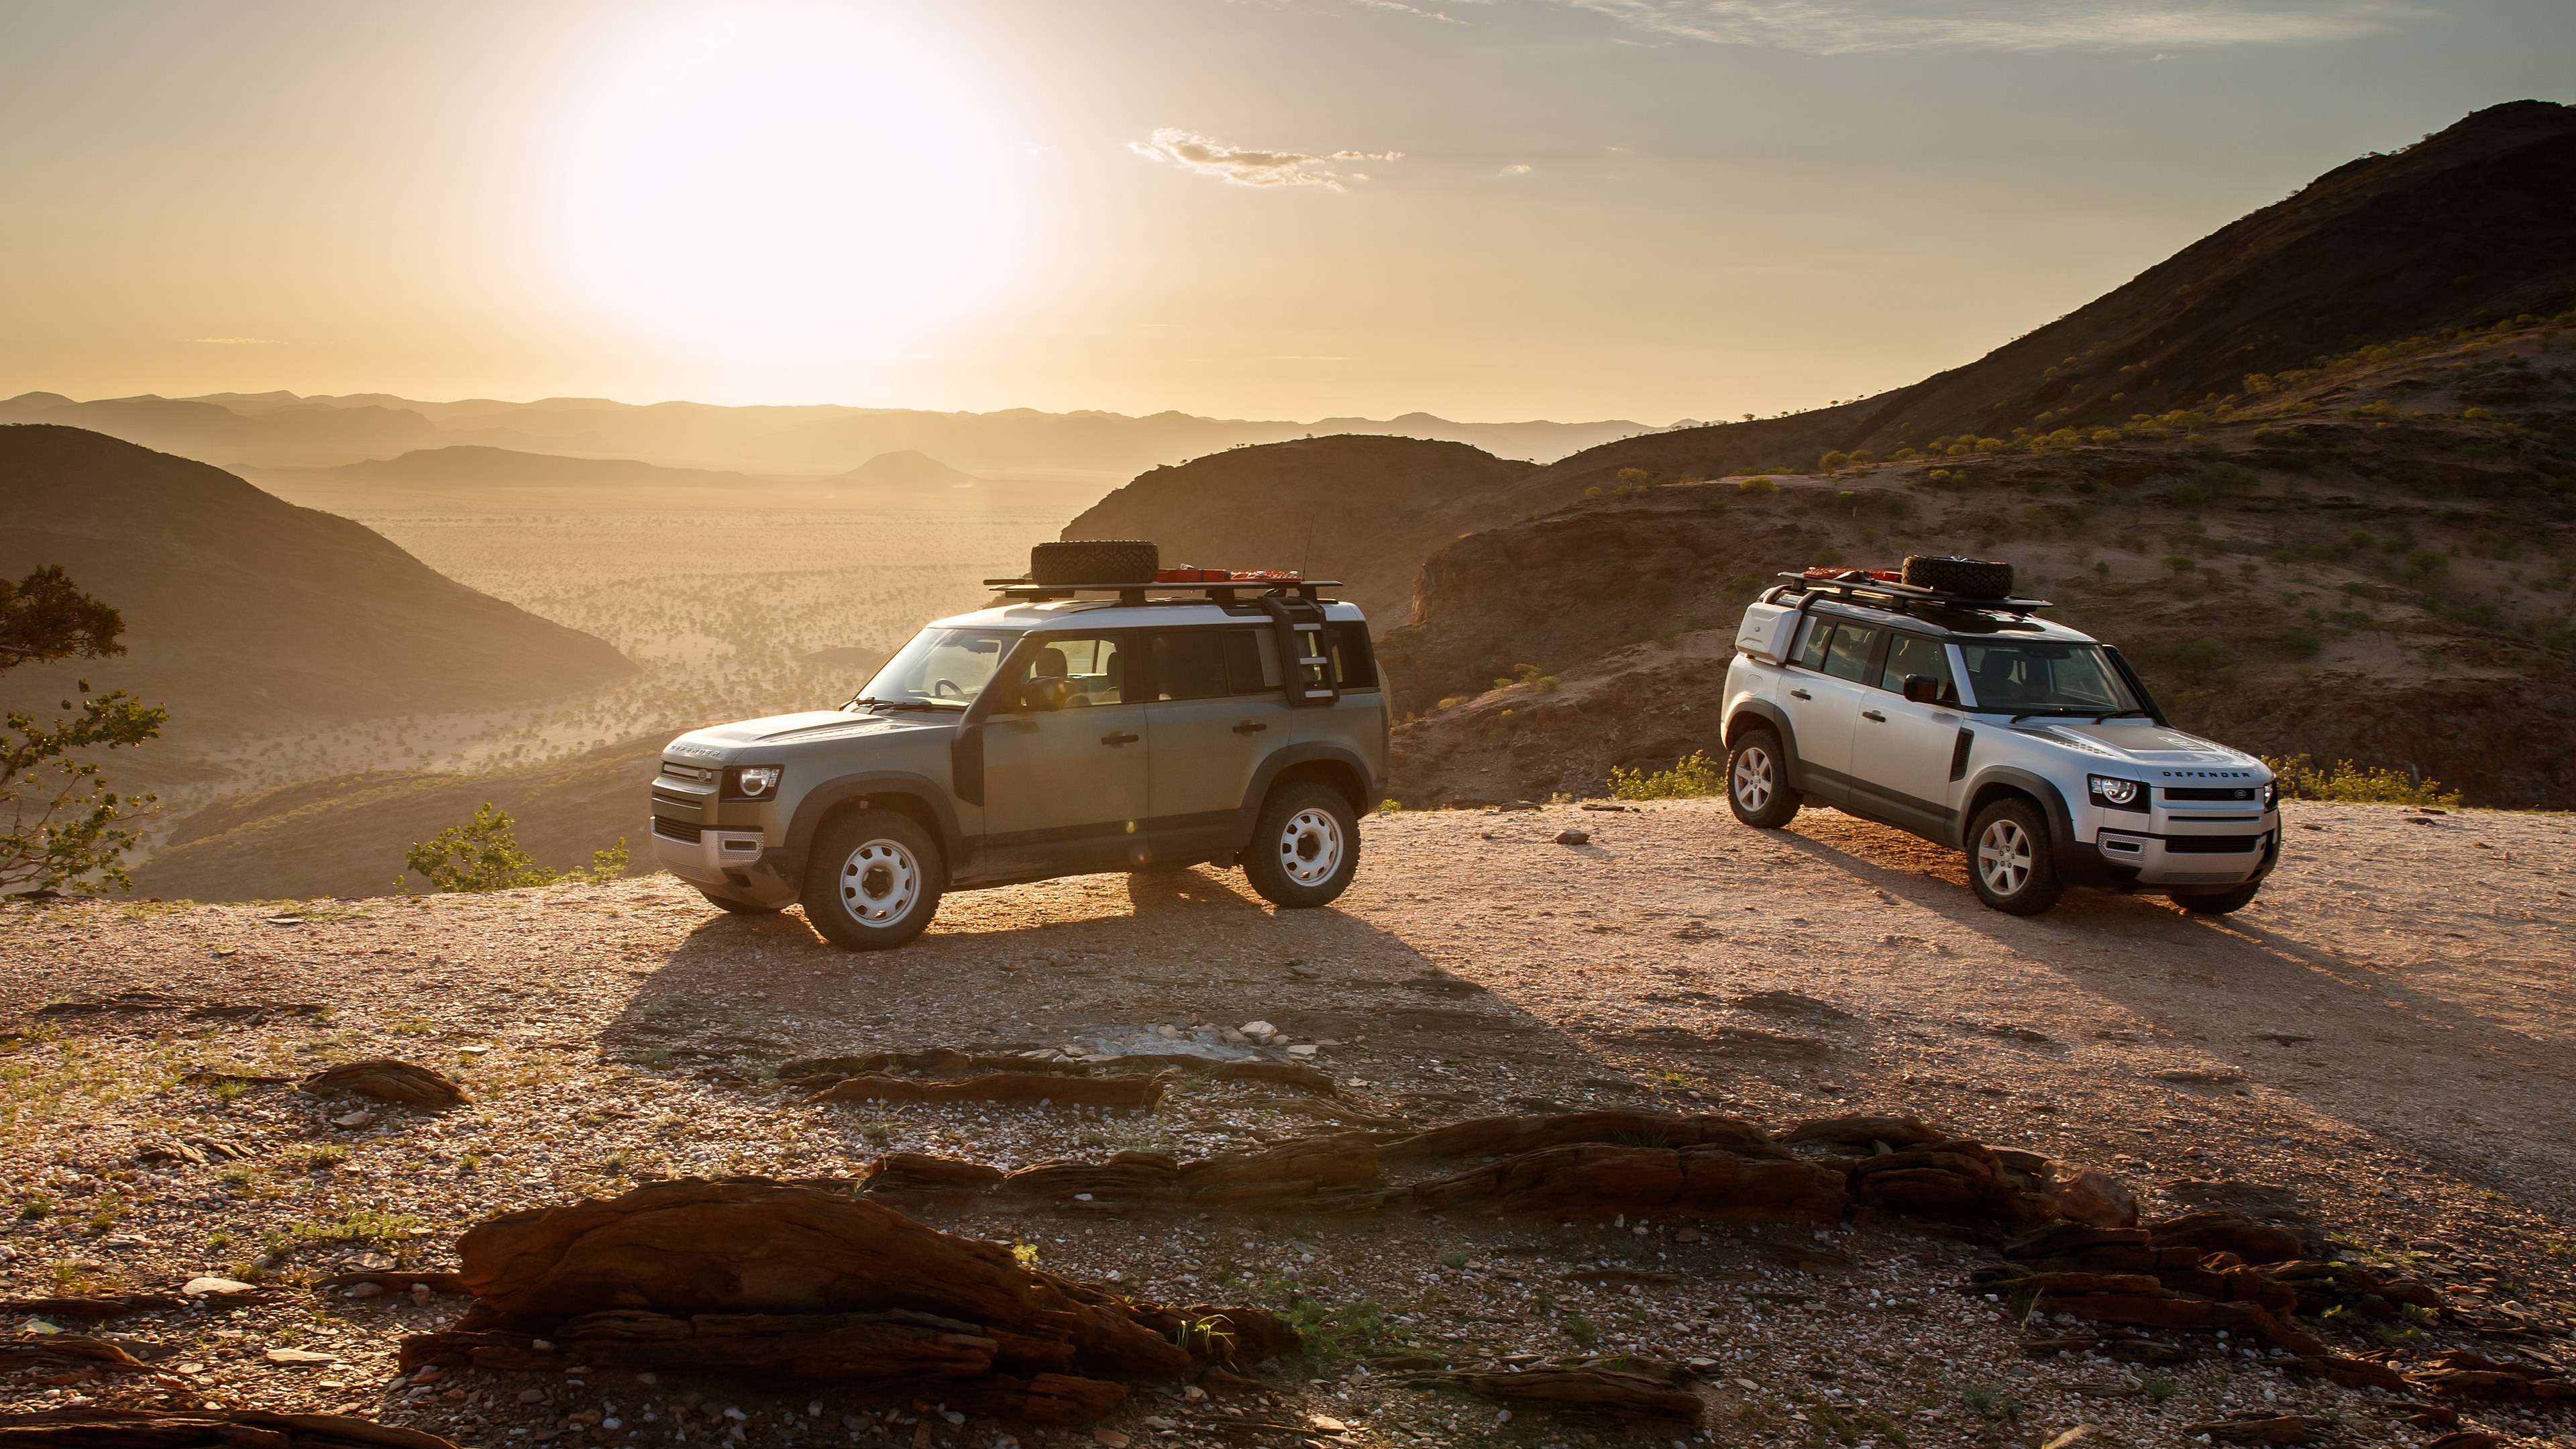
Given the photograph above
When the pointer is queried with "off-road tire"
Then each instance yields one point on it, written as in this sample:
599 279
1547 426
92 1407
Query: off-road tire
739 908
1306 848
1757 781
873 881
2223 903
1972 578
1095 561
2009 860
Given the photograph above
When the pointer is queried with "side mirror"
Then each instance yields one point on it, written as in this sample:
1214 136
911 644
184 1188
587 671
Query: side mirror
1922 689
1044 694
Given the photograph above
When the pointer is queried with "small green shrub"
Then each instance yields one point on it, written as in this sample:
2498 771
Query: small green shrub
1693 776
483 854
2301 778
1757 485
2300 644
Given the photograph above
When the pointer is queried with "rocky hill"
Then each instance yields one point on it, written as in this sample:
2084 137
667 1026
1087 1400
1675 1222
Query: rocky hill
243 612
346 837
1362 509
2469 226
909 470
2371 560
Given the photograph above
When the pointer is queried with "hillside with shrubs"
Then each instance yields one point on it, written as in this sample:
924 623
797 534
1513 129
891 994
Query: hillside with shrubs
2367 558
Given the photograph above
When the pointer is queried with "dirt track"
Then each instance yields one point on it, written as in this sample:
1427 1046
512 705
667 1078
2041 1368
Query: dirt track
2383 1034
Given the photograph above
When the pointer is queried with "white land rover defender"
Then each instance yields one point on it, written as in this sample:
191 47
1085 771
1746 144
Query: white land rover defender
1934 701
1108 715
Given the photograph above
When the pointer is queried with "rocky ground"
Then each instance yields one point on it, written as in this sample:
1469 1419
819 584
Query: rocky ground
2382 1038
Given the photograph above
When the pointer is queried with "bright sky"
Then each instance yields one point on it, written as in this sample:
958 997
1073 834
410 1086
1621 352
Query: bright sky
1487 209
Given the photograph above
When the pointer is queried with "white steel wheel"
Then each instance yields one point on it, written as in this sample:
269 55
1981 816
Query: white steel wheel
1753 778
2004 857
879 884
1310 847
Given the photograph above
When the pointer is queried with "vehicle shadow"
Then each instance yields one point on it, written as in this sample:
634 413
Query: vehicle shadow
1076 959
2256 993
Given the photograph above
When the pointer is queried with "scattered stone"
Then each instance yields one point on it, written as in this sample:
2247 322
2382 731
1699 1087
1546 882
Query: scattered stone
354 1119
1574 837
101 1428
299 1357
56 1352
2097 1199
1648 1394
2258 1427
390 1081
1021 1088
2461 1374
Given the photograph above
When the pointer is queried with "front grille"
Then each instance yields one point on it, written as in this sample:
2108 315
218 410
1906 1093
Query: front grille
691 803
2211 844
2201 792
691 773
676 830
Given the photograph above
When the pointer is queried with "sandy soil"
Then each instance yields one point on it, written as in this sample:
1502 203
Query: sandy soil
2382 1034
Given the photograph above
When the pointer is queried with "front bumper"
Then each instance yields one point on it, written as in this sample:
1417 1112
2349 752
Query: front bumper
2195 858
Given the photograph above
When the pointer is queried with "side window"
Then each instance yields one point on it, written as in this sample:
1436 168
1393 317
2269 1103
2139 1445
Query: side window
1848 656
1188 664
1820 633
1354 667
1095 668
1914 654
1251 661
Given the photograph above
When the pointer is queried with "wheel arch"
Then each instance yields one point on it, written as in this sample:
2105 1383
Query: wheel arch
2078 862
915 796
1753 714
1336 766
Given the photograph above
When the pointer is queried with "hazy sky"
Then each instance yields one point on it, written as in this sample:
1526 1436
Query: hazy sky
1488 209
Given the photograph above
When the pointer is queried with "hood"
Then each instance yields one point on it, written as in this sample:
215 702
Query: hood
721 742
2149 744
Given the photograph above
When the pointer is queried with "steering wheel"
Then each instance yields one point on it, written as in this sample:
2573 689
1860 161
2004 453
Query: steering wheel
947 689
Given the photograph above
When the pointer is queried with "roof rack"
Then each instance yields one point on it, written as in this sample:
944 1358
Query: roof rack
1906 598
1223 592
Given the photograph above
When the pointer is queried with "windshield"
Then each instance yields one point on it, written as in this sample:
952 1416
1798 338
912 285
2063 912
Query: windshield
941 668
2029 677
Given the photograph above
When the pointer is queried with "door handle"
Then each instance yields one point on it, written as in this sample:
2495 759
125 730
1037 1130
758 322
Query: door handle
1119 739
1250 727
1873 714
1800 694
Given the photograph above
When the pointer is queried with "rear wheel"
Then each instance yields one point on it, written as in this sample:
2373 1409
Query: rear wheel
2221 904
1306 848
2009 861
1757 781
874 880
739 908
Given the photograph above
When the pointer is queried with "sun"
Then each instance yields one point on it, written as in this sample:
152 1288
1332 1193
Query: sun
771 174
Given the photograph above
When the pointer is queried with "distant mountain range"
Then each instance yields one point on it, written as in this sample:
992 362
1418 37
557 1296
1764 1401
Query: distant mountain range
283 430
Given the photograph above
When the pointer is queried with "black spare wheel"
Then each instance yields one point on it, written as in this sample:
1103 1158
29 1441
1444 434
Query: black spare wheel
1973 578
1095 561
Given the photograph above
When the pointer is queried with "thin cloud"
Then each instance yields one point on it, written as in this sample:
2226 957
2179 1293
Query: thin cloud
1836 27
1517 168
1243 167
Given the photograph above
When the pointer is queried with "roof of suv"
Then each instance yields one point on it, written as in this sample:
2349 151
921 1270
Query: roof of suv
1966 625
1112 614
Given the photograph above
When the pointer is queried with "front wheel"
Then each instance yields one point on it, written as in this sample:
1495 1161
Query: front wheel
874 880
2009 860
2221 904
1757 781
1306 848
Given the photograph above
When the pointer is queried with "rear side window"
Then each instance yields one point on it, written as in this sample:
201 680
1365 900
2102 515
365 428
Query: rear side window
1251 661
1848 656
1189 664
1354 666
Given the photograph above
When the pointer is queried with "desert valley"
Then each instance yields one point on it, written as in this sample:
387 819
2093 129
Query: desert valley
1590 1114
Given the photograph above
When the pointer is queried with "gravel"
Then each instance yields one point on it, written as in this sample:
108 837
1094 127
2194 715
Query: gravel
2382 1035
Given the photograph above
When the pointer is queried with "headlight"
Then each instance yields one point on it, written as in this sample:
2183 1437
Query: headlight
755 782
2265 794
2117 794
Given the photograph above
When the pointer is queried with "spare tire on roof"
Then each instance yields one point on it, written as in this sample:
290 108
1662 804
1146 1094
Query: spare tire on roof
1973 578
1095 561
